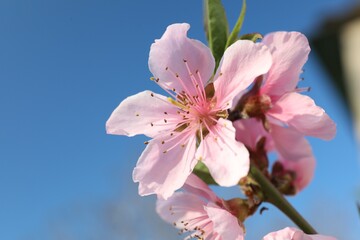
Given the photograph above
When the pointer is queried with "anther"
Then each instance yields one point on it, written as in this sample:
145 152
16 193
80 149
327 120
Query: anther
152 124
146 142
305 89
184 60
165 112
177 75
167 68
165 120
162 142
137 115
152 94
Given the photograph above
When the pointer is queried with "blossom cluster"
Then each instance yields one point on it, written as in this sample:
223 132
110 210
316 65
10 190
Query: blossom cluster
228 119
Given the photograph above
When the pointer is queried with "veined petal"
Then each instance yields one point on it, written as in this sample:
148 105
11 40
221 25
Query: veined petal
225 224
196 186
226 158
179 207
143 113
290 51
289 143
300 112
167 55
241 64
165 164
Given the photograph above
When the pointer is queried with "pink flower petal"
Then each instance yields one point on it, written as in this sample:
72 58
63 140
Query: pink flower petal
241 64
295 154
161 170
196 186
227 159
143 113
304 169
289 143
250 131
290 51
180 207
300 112
290 233
167 55
225 224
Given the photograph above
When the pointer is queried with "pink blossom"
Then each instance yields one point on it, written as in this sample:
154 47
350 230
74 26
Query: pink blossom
279 99
182 67
199 213
293 150
294 234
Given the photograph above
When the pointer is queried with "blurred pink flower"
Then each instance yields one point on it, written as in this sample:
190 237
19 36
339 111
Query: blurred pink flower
294 234
279 99
293 150
182 67
199 213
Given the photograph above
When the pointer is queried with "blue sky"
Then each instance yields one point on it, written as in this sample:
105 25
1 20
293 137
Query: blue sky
65 65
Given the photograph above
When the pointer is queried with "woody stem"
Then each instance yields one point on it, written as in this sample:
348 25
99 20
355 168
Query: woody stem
273 196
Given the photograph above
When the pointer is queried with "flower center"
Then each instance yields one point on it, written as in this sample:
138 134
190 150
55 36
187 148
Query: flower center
256 106
199 113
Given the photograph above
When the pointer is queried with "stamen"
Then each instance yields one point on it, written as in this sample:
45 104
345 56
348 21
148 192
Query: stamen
304 89
194 81
182 83
176 103
164 86
184 136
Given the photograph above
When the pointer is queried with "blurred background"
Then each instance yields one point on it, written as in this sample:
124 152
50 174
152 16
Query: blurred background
65 65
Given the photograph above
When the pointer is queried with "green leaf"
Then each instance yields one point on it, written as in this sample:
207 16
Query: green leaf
206 20
236 30
252 37
216 27
203 172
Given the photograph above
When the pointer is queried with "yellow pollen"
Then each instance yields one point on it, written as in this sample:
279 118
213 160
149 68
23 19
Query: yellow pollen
176 103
